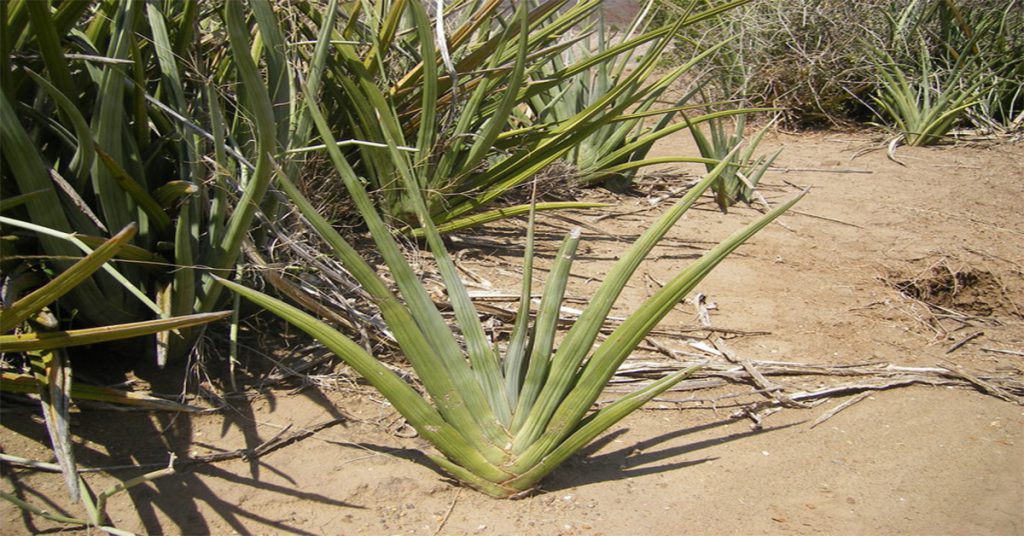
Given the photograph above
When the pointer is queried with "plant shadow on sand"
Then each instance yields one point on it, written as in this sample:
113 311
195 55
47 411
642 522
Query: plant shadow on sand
591 467
637 459
138 442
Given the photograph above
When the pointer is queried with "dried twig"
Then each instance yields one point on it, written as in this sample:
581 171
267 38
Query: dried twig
879 376
832 412
956 346
825 218
674 354
984 385
821 170
755 414
775 391
851 388
585 225
32 464
1002 351
611 215
448 514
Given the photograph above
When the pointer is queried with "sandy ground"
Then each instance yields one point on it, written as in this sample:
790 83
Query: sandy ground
909 460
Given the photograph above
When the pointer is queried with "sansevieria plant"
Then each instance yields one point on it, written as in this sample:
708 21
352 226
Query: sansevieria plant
28 327
501 418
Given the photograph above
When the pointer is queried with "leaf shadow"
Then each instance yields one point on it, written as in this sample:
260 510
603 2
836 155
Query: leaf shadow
131 444
636 459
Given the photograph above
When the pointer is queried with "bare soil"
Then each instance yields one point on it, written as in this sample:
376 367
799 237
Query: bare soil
880 263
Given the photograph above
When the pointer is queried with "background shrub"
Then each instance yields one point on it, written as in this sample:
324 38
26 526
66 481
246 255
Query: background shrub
811 57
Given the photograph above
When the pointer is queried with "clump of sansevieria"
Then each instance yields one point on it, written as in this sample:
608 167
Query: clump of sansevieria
738 181
616 72
925 82
923 106
730 80
120 111
501 421
29 327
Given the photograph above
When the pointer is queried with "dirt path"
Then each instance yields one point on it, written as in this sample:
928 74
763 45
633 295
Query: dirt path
917 460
